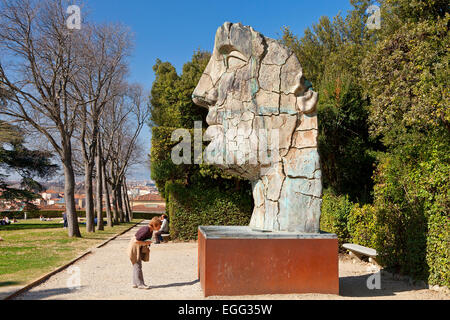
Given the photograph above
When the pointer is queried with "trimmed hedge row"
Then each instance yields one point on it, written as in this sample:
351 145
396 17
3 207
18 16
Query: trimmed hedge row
145 216
362 225
37 214
58 214
407 242
195 206
334 218
438 249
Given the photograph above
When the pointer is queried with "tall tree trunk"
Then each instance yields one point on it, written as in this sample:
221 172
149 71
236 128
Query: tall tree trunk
115 205
119 202
127 198
90 225
129 208
99 188
69 196
125 205
109 218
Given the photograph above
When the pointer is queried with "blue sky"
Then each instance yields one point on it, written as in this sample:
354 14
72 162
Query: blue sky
172 30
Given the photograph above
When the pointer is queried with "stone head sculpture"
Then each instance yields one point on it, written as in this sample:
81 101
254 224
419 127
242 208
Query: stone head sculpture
263 126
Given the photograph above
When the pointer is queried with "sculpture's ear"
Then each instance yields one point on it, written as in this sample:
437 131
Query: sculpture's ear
308 102
299 88
306 98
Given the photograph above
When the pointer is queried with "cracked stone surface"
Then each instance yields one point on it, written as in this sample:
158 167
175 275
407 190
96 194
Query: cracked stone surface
263 126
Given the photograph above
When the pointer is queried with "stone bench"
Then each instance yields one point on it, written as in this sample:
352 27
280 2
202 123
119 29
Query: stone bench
357 251
165 237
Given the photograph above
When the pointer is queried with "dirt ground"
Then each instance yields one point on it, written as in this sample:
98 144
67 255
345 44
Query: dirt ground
172 275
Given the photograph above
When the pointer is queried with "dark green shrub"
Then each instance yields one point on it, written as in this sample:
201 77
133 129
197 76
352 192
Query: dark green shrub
438 250
145 216
362 225
36 214
198 205
47 214
335 215
412 204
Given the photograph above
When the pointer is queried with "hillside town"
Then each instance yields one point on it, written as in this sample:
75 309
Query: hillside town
144 198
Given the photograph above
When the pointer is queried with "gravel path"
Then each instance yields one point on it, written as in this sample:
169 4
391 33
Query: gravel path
172 275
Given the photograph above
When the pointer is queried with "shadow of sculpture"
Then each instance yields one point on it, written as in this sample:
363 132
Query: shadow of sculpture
181 284
356 286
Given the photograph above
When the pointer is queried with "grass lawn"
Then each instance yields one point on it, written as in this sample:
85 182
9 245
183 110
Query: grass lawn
33 248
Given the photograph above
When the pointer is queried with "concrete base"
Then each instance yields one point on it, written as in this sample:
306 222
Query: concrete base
239 261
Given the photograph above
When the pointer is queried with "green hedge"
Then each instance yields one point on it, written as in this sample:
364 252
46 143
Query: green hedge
412 204
145 216
362 226
438 250
335 214
407 241
58 214
195 206
408 223
37 214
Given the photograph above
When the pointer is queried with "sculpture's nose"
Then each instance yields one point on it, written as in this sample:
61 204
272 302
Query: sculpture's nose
205 95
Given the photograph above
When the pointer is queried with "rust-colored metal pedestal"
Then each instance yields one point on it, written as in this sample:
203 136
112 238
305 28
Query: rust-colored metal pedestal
238 261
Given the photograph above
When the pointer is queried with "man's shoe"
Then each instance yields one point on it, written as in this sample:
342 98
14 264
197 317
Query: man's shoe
134 286
144 287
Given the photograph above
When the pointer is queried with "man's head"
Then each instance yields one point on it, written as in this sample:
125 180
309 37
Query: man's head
155 224
256 95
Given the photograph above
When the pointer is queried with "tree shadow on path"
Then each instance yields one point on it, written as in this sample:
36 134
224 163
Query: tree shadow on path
42 294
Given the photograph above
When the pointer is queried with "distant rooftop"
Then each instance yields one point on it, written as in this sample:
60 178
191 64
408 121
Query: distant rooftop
149 197
52 191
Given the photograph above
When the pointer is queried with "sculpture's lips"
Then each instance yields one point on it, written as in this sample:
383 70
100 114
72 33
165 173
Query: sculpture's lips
202 101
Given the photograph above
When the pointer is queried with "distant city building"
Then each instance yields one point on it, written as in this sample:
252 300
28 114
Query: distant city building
80 200
51 194
149 203
144 197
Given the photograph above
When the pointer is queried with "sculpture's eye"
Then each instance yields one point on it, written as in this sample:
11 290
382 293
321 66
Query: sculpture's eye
235 60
